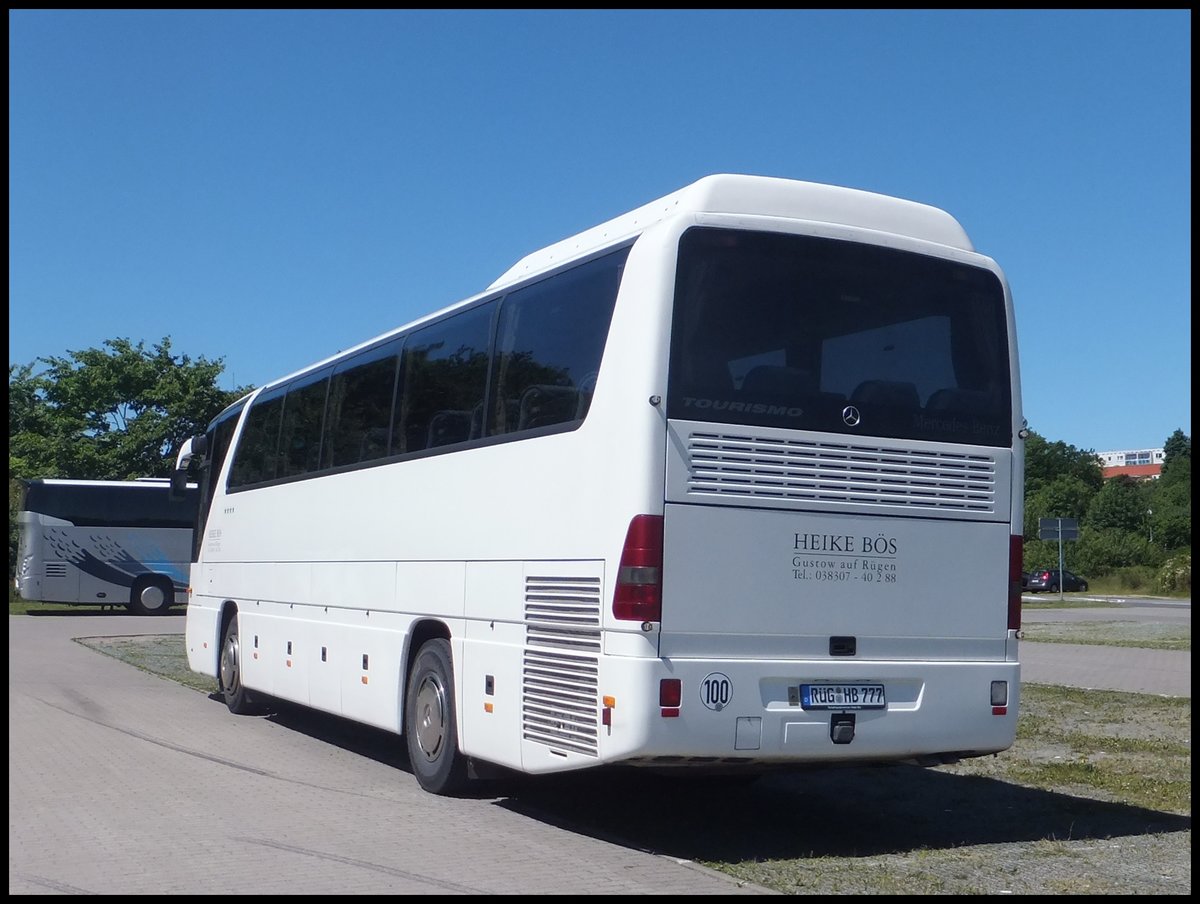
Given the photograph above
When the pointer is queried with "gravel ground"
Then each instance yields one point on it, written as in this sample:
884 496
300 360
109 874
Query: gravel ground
885 830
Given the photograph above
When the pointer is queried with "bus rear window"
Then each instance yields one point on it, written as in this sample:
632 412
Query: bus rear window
835 336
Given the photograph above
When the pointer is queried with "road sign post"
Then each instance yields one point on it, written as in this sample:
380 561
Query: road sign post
1059 529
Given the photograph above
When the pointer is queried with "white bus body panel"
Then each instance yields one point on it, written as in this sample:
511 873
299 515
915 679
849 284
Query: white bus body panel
739 583
933 707
773 545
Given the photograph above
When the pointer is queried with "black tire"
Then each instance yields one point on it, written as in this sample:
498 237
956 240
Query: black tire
1083 586
430 723
151 594
229 674
1054 588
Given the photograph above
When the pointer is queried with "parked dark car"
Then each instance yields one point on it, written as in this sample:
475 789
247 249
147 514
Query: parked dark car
1049 580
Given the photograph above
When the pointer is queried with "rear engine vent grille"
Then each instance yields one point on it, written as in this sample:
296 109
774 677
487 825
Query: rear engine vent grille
560 674
748 467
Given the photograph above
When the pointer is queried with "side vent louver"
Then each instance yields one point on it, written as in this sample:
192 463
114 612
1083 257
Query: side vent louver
560 675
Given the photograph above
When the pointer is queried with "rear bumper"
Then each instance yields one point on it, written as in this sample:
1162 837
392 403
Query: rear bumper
938 710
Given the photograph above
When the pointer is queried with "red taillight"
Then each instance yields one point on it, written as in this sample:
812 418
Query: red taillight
1016 549
670 692
638 596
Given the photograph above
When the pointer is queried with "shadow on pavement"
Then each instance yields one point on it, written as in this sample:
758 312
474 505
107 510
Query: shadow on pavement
825 812
817 812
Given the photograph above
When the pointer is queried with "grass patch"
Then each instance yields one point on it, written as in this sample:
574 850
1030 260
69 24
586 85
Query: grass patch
159 654
1145 635
1053 602
1131 748
1085 750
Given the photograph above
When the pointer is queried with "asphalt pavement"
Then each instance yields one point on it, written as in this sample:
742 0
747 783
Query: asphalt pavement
123 782
1103 667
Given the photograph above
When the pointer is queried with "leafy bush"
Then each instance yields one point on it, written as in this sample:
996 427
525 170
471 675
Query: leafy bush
1134 579
1175 575
1101 550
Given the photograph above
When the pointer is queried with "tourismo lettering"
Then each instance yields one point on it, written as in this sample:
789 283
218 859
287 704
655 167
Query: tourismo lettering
743 407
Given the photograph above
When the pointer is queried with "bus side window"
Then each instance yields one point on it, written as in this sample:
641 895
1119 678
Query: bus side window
361 396
544 405
448 427
550 341
303 420
255 458
444 372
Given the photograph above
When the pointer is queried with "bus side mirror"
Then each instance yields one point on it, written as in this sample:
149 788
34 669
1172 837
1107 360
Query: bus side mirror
190 456
179 481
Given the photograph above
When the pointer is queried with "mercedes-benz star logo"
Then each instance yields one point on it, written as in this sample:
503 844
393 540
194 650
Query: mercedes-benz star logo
850 416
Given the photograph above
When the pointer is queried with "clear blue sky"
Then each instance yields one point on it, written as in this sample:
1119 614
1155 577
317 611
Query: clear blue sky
267 188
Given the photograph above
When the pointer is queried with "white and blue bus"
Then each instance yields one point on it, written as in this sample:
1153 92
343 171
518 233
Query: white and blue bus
730 482
122 543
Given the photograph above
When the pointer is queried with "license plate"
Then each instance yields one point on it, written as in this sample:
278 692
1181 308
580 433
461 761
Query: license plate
842 696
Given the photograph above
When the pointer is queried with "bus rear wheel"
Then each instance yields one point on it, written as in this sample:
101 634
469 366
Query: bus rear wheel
430 723
151 595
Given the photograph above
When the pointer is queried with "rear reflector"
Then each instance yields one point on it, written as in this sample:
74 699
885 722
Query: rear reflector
1016 552
999 693
638 594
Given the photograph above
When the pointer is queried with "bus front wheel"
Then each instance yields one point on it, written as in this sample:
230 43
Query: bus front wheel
151 595
430 723
229 674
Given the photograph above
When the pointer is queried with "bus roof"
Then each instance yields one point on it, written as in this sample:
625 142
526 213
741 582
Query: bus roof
724 193
762 195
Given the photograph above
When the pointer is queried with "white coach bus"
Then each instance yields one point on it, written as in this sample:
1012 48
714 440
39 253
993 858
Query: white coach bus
731 482
105 542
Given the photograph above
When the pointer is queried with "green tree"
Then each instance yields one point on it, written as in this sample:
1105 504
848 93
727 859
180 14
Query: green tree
1169 508
1065 496
1123 523
1122 504
1177 448
14 536
1046 462
1170 513
111 413
1099 551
